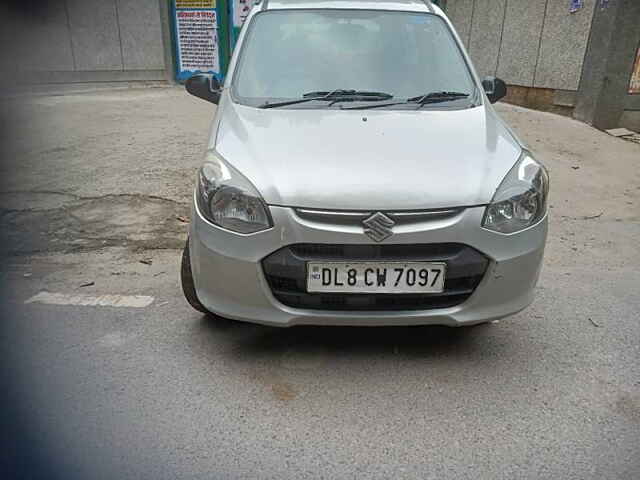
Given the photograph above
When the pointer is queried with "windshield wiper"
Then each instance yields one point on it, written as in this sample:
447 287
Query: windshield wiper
433 97
333 96
437 97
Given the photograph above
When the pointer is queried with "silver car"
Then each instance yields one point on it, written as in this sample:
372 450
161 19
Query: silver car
357 174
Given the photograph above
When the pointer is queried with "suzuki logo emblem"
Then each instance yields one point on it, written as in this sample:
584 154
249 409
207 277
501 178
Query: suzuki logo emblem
378 226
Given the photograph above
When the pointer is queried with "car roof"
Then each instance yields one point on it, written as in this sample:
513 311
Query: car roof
399 5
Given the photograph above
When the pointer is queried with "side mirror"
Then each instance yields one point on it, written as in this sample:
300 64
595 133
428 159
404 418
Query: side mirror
494 88
204 86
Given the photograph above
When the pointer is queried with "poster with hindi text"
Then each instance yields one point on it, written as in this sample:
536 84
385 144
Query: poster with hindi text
196 36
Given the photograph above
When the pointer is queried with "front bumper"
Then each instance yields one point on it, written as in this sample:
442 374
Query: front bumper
230 281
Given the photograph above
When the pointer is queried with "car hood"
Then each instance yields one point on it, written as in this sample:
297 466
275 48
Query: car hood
368 159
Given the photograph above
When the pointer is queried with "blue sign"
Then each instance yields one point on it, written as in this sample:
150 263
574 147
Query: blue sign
196 37
576 5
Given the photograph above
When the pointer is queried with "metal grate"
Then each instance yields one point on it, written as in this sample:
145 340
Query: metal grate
285 271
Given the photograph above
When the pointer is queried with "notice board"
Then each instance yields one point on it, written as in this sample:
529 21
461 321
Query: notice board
199 37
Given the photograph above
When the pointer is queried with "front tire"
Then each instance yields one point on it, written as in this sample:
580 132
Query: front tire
186 277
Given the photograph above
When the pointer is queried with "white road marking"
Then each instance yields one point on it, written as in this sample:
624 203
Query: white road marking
130 301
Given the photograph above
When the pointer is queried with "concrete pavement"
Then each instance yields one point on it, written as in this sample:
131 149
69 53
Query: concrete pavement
94 192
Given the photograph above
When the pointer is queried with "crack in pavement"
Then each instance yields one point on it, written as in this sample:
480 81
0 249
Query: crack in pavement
47 221
74 197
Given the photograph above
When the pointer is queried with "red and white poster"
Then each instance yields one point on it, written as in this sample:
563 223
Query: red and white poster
634 86
241 9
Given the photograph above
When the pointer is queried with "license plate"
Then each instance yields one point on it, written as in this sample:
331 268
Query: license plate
375 277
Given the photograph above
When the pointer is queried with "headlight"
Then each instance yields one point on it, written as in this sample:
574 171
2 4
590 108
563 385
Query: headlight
521 198
227 199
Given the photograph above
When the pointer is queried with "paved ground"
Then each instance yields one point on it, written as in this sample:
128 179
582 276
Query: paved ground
92 184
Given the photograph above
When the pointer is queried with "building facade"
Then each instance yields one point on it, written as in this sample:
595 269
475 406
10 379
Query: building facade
568 56
86 41
574 57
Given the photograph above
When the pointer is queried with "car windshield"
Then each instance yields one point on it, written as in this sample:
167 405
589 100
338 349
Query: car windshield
289 53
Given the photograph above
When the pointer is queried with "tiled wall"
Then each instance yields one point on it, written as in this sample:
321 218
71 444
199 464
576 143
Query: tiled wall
87 40
531 43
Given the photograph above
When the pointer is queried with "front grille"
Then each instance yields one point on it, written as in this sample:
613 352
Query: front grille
355 218
285 271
